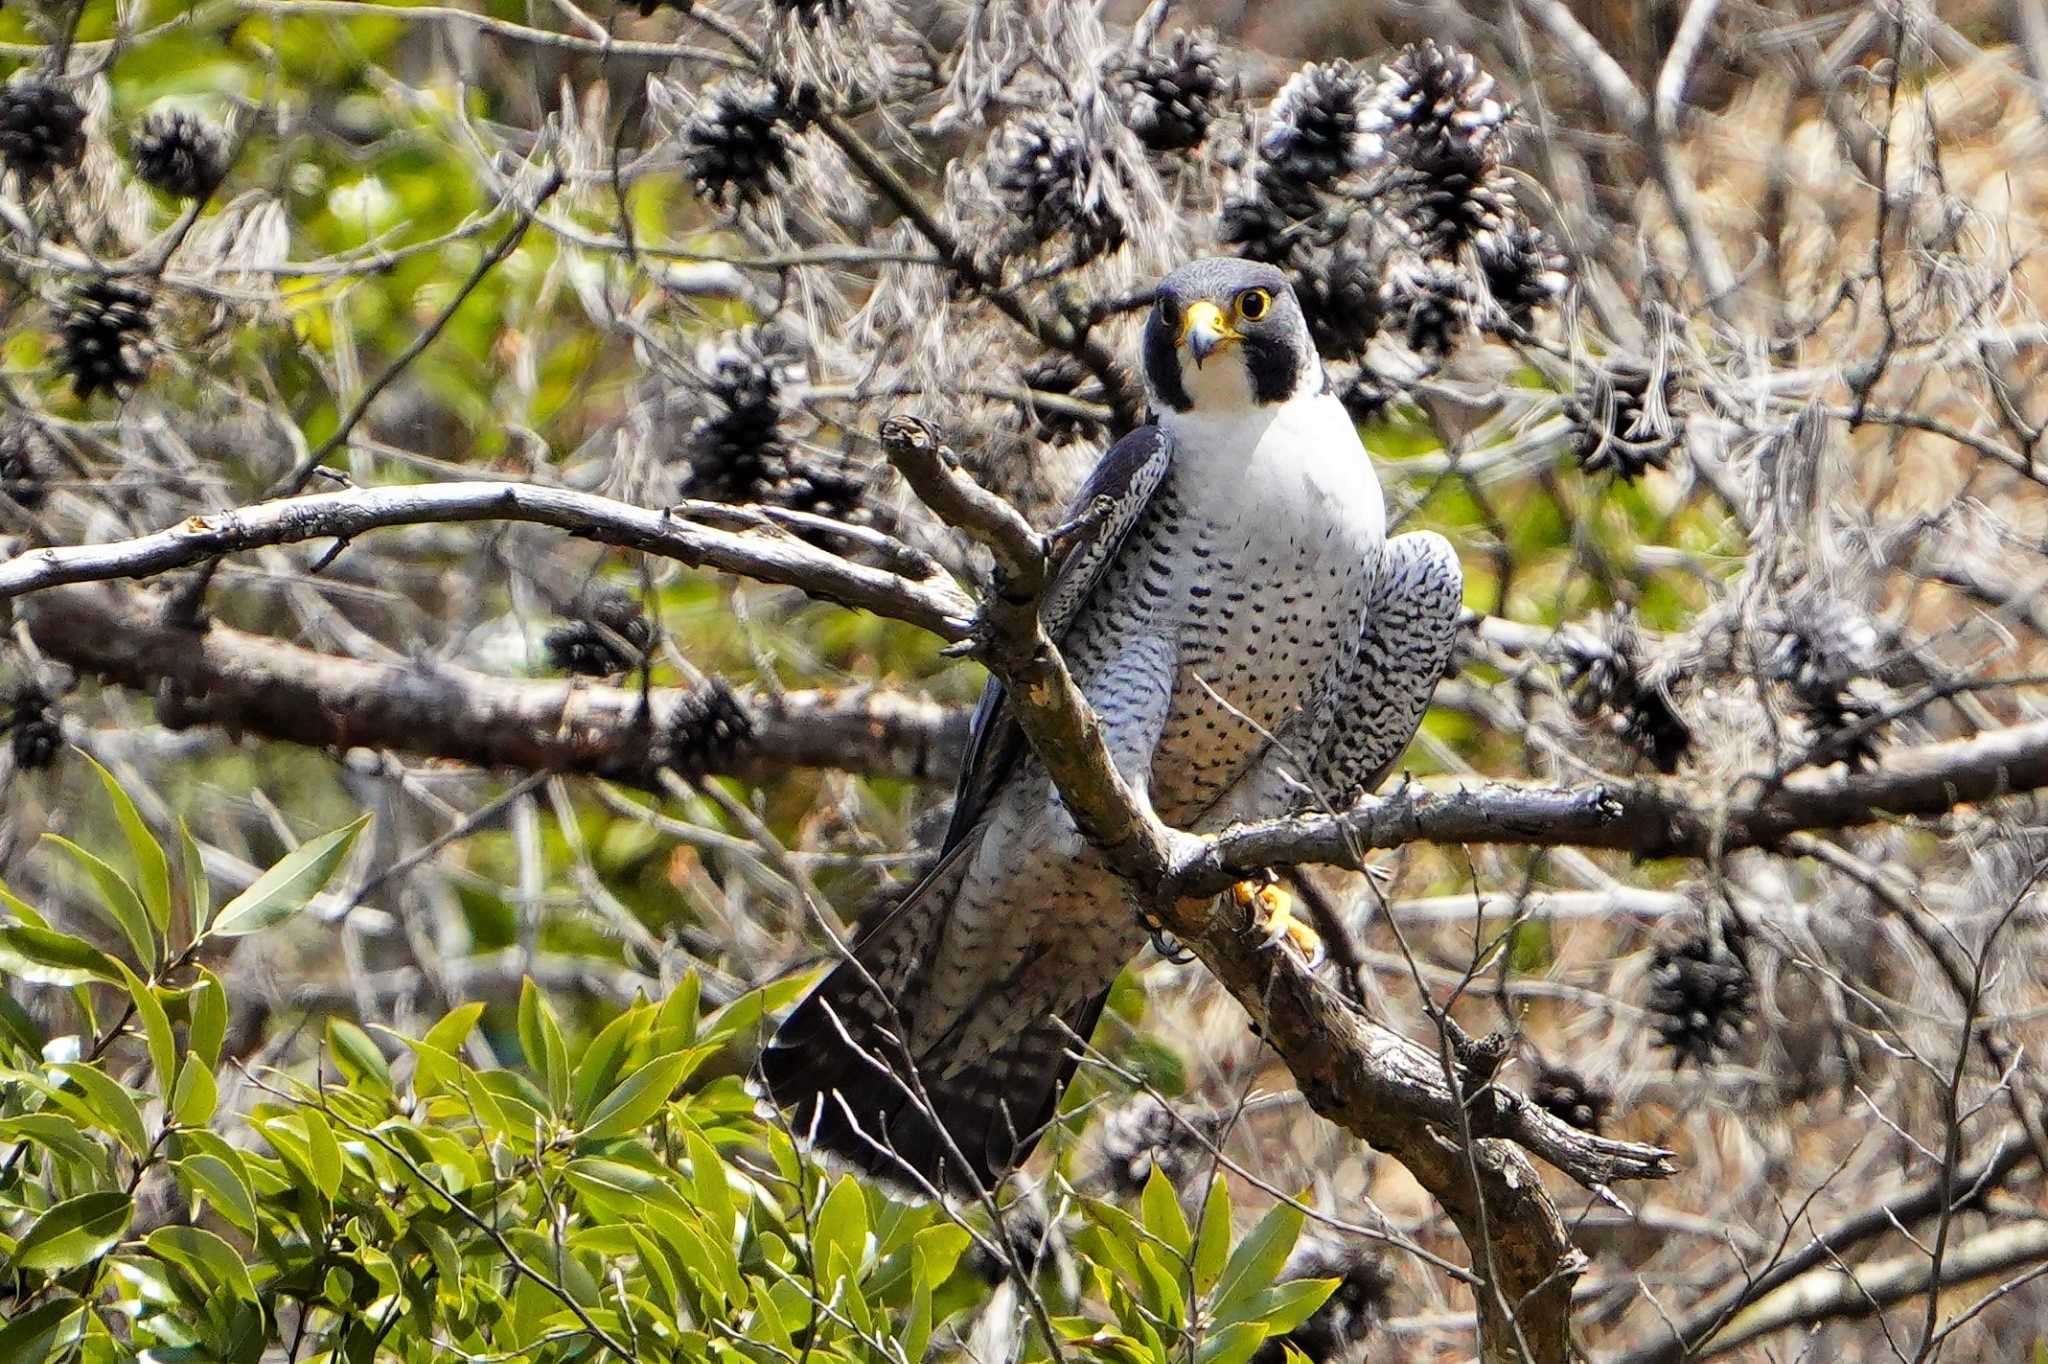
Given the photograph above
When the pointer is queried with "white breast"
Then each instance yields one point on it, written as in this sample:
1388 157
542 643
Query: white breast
1292 469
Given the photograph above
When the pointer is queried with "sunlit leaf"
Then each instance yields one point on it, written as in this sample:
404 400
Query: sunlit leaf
152 868
286 888
638 1097
47 957
117 901
75 1232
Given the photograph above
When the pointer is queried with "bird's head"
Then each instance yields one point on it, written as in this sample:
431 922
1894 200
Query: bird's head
1227 334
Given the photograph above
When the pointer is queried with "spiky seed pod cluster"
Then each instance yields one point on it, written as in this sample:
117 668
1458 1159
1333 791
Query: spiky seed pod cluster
809 12
42 129
1341 301
1049 177
1061 376
180 153
1316 133
1024 1236
709 732
24 460
1429 304
1338 1330
741 137
1605 672
1436 111
1702 991
1172 95
607 634
1570 1097
739 452
1365 393
1819 646
1523 271
1623 420
1144 1135
107 338
29 719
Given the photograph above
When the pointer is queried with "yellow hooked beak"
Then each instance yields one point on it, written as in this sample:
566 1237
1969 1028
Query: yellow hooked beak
1204 330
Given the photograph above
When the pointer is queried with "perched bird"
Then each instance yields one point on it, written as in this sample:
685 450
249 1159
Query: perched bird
1250 642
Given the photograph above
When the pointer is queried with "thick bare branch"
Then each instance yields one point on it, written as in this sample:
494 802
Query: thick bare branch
249 684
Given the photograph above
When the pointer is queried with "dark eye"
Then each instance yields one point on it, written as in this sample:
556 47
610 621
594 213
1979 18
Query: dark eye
1254 304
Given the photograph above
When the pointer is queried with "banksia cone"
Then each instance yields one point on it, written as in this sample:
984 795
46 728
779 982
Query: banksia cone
709 732
1338 1330
1145 1134
30 720
1523 271
740 138
1173 95
1024 1236
610 634
180 153
1048 177
24 460
1318 131
1570 1097
1622 420
1820 645
106 337
1340 299
42 129
1064 377
1701 992
1429 303
1436 112
1604 672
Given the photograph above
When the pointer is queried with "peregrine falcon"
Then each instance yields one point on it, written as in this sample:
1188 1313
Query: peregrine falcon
1251 643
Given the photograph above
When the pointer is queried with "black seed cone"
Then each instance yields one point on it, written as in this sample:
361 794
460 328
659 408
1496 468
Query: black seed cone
1615 426
1341 1326
809 12
1365 394
1316 132
1701 992
1046 178
1429 304
1570 1097
1340 299
1023 1234
1255 227
1819 644
710 731
1604 672
1144 1134
105 334
1523 271
1437 113
29 718
180 154
1064 377
42 129
24 460
740 137
609 634
1172 94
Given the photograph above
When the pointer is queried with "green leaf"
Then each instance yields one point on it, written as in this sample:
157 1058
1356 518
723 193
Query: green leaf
152 868
196 1094
1160 1207
57 1134
323 1152
212 1262
1232 1345
541 1038
117 902
198 887
842 1227
1212 1242
103 1102
1288 1306
638 1098
357 1056
156 1030
43 1331
284 890
21 908
222 1185
75 1232
1259 1258
454 1028
208 1003
47 957
600 1064
707 1181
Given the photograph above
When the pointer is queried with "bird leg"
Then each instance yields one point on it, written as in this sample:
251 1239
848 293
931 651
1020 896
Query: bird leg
1276 905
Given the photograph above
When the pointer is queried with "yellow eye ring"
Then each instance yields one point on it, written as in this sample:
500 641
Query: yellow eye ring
1254 304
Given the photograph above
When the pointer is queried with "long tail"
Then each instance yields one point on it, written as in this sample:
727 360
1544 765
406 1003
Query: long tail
935 1121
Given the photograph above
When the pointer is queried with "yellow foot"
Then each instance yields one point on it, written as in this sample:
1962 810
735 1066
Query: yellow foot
1276 905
